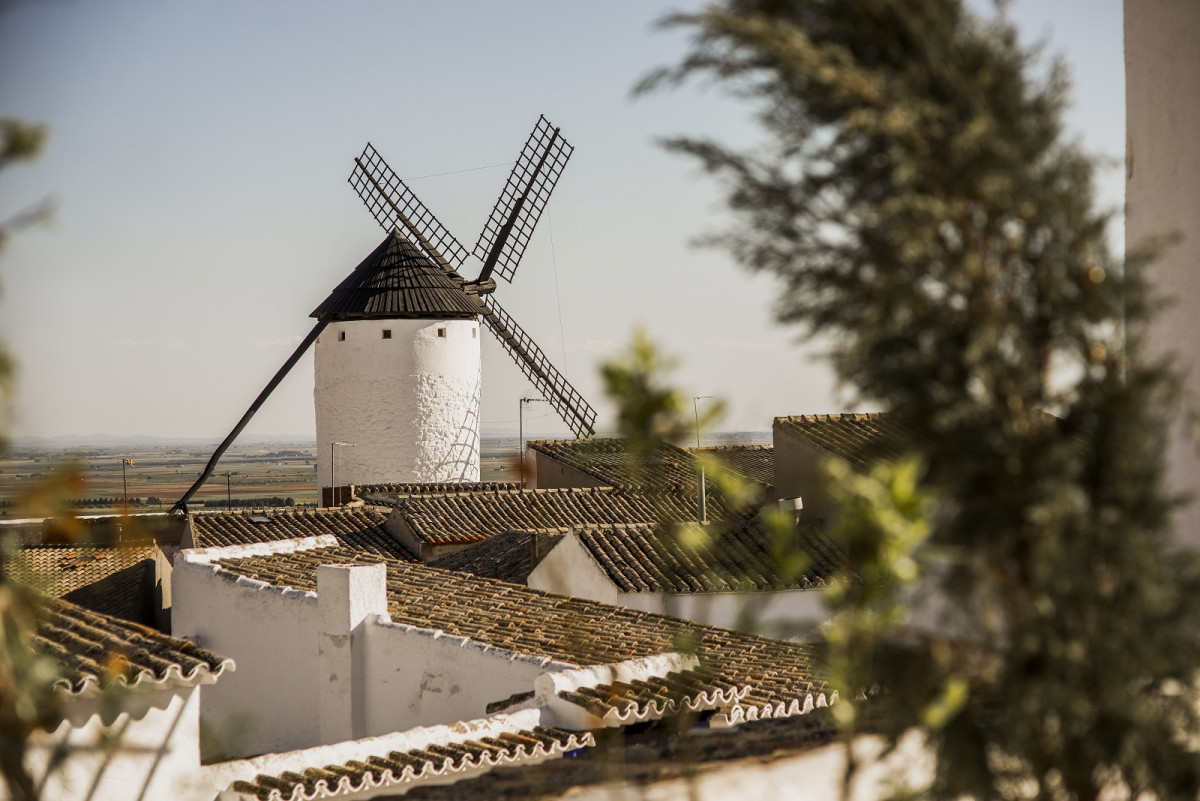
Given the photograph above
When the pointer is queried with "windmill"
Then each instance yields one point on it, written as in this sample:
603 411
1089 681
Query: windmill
410 292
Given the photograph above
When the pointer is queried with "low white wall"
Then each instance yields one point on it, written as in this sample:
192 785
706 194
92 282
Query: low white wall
569 569
423 677
400 676
779 613
271 702
156 752
549 473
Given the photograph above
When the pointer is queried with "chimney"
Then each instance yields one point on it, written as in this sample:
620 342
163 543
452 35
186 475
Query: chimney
347 597
793 505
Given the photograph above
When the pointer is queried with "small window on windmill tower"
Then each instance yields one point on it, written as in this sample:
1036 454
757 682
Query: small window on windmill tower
442 332
472 333
387 333
341 336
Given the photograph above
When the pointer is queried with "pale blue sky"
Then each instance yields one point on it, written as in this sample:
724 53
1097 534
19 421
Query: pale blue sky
198 160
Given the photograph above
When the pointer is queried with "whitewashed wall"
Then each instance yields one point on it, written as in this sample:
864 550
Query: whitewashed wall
1162 195
569 569
409 403
271 702
157 753
546 472
291 691
797 472
420 677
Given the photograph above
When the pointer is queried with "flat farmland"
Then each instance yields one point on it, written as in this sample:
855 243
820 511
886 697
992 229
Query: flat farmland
160 474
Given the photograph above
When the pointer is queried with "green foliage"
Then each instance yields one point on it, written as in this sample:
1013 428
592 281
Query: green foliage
918 201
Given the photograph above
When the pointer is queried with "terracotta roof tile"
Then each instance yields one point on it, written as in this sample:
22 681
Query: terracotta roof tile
620 703
506 556
570 630
360 529
753 462
473 517
434 488
112 580
738 557
665 468
90 646
397 768
638 758
860 439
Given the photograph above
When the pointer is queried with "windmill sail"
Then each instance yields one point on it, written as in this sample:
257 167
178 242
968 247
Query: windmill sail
576 412
504 237
393 205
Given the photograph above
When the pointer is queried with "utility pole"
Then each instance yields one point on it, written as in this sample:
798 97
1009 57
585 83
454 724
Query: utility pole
521 430
702 487
125 482
228 492
333 469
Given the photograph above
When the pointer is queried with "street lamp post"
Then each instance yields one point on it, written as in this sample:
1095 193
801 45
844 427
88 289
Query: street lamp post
702 489
228 492
521 430
333 469
125 482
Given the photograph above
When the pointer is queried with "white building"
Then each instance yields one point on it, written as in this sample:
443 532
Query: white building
143 741
331 650
731 578
397 374
1162 197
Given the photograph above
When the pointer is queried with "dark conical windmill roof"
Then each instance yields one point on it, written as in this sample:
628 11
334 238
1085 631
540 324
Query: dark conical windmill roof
397 280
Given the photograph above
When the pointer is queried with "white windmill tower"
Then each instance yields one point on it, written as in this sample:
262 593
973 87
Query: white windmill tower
397 362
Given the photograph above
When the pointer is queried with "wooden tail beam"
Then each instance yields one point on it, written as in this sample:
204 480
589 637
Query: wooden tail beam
180 506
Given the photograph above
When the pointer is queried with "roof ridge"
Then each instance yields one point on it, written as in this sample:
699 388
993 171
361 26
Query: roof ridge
267 548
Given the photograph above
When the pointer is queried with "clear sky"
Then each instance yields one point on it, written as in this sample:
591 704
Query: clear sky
198 161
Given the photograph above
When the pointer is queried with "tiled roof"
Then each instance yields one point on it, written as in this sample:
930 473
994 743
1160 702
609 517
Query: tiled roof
472 517
754 462
404 767
434 488
94 649
506 556
860 439
569 630
397 280
360 529
620 703
609 460
738 557
638 758
112 580
667 469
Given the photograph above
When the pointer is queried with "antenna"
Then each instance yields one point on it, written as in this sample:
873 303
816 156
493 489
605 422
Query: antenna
393 205
507 231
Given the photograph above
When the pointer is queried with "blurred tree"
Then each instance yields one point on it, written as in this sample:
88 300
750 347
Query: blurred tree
917 197
27 696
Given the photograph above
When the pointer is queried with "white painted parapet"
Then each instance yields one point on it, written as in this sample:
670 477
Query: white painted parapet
346 596
406 393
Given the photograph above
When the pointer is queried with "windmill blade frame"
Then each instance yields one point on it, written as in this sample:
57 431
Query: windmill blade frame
576 412
510 226
394 205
